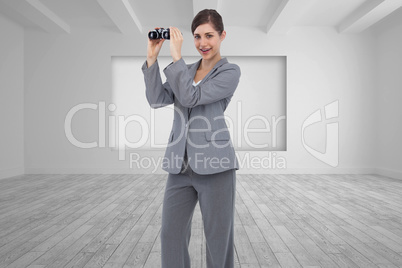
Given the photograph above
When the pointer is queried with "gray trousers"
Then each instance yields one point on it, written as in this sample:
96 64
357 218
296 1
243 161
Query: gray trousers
216 196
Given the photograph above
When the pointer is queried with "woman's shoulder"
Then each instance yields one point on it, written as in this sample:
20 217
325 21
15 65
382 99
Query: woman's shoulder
230 66
222 65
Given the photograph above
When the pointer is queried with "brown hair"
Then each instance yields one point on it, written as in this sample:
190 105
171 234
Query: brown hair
208 16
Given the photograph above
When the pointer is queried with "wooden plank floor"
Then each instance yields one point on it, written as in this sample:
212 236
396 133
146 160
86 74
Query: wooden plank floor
281 221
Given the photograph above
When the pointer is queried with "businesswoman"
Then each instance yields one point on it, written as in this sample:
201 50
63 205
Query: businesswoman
199 158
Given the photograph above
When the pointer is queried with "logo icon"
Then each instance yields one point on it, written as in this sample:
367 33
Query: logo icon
330 156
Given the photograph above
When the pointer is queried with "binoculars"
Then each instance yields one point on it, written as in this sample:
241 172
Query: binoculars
159 34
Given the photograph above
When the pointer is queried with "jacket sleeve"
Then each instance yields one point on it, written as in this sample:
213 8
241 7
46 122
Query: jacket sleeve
221 85
158 94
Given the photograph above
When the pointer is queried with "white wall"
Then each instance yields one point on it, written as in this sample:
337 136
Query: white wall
250 109
323 66
11 98
387 108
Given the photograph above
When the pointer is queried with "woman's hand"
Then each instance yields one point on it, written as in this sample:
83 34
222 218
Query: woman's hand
176 41
154 46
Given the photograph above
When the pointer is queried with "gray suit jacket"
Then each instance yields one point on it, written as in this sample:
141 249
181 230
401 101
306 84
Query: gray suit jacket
198 114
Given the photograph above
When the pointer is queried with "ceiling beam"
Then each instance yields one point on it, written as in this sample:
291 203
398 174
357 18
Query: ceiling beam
199 5
274 18
367 14
123 16
40 14
48 20
285 14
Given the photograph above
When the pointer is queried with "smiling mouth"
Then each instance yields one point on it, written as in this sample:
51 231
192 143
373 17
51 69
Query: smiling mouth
205 50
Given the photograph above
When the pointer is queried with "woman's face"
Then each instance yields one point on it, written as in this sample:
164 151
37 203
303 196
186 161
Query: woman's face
208 41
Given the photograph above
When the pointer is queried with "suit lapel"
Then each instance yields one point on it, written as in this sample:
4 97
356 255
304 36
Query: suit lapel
193 68
218 64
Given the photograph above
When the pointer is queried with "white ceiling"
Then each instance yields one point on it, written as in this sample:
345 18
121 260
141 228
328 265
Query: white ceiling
138 16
